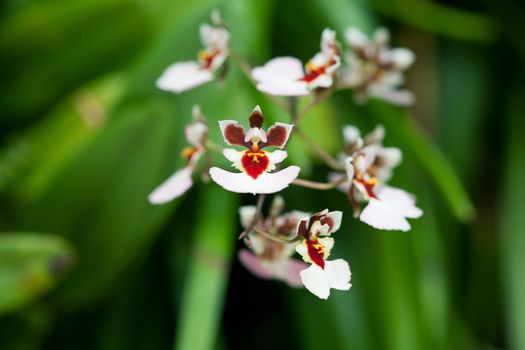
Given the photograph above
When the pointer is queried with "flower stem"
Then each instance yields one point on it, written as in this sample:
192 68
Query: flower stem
262 232
258 209
321 153
318 98
319 185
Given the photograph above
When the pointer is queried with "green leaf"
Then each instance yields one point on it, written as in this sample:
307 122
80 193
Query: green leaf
30 265
109 181
52 49
512 223
459 24
205 286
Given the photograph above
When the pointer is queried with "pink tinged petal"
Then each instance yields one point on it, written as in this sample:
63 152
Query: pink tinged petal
278 135
247 214
183 76
356 38
265 183
195 134
254 264
396 97
292 269
391 210
232 132
279 69
286 270
175 186
318 281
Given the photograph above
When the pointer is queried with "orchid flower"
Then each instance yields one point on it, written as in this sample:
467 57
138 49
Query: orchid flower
271 259
255 163
180 182
375 70
182 76
315 248
369 166
284 76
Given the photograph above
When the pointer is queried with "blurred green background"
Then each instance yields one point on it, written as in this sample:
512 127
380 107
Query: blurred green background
87 263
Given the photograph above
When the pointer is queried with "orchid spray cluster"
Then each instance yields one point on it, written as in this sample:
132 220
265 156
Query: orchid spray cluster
361 171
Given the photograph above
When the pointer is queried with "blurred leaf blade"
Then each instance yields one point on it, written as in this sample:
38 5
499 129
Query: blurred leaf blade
428 15
30 265
52 49
428 155
205 286
512 223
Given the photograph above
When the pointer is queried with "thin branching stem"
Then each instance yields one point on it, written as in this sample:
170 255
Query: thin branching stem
321 153
319 185
259 230
258 210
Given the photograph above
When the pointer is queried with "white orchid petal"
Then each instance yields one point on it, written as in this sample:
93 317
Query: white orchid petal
322 81
302 249
183 76
195 133
402 58
390 211
337 217
327 40
275 157
233 156
356 38
279 69
328 244
247 214
175 186
351 134
381 37
284 88
350 171
265 183
318 281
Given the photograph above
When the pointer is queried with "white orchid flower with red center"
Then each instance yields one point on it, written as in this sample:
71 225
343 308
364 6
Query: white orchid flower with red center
271 258
284 76
315 249
182 76
181 181
376 70
256 163
369 166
